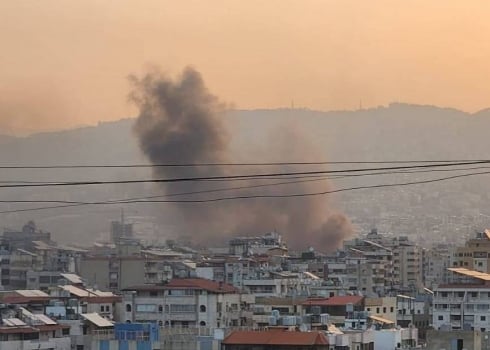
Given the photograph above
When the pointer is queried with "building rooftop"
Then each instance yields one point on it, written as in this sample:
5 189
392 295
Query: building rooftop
188 283
339 300
470 273
24 296
275 337
97 320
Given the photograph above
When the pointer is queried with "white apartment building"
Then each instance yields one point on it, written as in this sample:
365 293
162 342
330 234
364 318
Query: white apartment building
463 306
187 302
282 284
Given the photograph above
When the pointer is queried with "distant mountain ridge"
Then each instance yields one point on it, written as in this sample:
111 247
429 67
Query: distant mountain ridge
396 132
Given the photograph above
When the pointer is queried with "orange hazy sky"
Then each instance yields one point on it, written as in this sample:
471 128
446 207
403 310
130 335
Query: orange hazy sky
65 63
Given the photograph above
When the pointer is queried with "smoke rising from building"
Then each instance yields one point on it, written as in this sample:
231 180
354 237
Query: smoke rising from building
180 121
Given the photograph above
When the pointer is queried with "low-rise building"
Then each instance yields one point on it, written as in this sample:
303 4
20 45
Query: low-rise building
275 339
384 307
454 339
339 309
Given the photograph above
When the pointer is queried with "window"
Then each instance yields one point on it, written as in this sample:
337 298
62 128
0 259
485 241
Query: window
368 309
153 293
440 318
128 307
384 310
182 308
483 318
202 323
102 308
202 308
160 308
180 292
484 307
146 308
392 309
377 310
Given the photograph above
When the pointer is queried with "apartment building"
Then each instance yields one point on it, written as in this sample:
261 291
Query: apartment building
340 310
282 284
407 265
384 307
405 271
248 246
187 302
118 272
17 334
436 261
369 267
464 305
475 255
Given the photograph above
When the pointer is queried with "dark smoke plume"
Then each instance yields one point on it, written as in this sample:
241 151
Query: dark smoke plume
181 122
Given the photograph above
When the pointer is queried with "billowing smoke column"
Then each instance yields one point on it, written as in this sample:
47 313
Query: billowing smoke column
181 122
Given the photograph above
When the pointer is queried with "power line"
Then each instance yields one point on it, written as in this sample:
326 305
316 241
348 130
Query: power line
195 201
238 177
315 193
331 177
172 165
308 178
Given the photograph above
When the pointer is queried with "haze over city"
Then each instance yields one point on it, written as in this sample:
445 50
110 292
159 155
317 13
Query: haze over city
65 64
235 175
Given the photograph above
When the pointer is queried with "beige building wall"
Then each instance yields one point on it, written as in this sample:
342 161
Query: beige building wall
383 307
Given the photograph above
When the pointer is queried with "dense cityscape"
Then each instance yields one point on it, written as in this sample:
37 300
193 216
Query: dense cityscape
376 292
244 175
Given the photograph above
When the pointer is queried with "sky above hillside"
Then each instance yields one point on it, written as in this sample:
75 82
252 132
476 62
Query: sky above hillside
65 63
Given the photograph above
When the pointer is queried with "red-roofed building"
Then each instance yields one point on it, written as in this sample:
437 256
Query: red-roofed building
186 302
275 339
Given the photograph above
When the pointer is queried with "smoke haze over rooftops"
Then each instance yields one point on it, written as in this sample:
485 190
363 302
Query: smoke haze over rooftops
181 121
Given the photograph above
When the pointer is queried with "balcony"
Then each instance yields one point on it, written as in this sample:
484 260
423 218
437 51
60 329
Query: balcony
182 316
